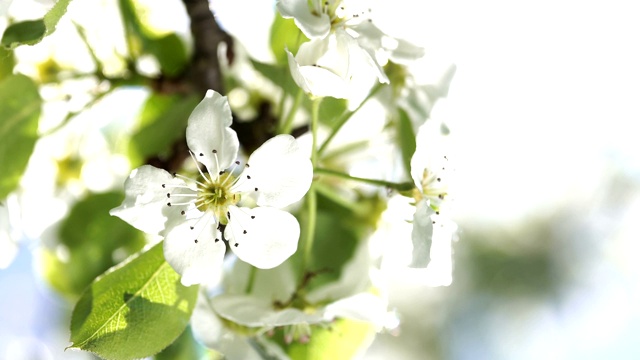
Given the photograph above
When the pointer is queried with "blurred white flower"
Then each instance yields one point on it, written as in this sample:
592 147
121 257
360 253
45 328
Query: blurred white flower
193 215
274 301
322 66
432 231
319 18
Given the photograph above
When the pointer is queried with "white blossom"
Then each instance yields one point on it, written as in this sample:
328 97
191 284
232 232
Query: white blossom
241 207
317 19
270 302
433 230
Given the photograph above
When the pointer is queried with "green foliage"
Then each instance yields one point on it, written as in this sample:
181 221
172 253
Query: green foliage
285 34
342 340
169 50
162 122
340 226
134 310
184 348
31 32
406 139
93 239
331 109
7 62
279 75
19 111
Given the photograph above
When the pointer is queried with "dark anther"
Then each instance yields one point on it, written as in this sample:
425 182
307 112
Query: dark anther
168 204
174 174
433 222
214 151
440 196
195 241
437 212
221 172
438 179
237 162
191 227
236 245
248 177
217 240
201 154
255 189
164 186
253 216
168 195
182 212
246 165
229 215
244 231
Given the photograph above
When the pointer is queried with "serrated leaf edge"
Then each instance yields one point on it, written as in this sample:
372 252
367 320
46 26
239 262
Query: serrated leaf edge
117 312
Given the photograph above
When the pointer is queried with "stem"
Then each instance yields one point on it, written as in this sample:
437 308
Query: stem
251 281
346 116
311 195
286 125
405 186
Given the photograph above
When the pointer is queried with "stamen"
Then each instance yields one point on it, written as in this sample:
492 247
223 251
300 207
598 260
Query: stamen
215 156
198 166
190 179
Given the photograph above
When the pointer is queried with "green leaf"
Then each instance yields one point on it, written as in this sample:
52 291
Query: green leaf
19 113
285 34
169 49
170 52
94 241
344 339
163 121
279 75
134 310
406 139
31 32
340 224
7 62
331 109
184 348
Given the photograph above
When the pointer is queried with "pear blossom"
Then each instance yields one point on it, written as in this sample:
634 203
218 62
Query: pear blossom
322 67
432 230
269 304
239 204
317 19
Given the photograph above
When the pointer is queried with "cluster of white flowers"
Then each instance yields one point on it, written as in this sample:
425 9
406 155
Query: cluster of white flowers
239 204
343 38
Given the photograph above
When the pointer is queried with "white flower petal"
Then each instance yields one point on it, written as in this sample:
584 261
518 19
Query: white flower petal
430 155
399 50
280 170
263 237
259 312
362 307
195 250
354 278
431 236
313 26
145 204
208 329
209 136
421 235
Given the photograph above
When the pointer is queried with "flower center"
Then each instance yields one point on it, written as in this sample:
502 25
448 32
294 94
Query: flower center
217 196
337 12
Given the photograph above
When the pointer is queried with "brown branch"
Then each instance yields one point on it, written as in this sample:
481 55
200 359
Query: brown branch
205 71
